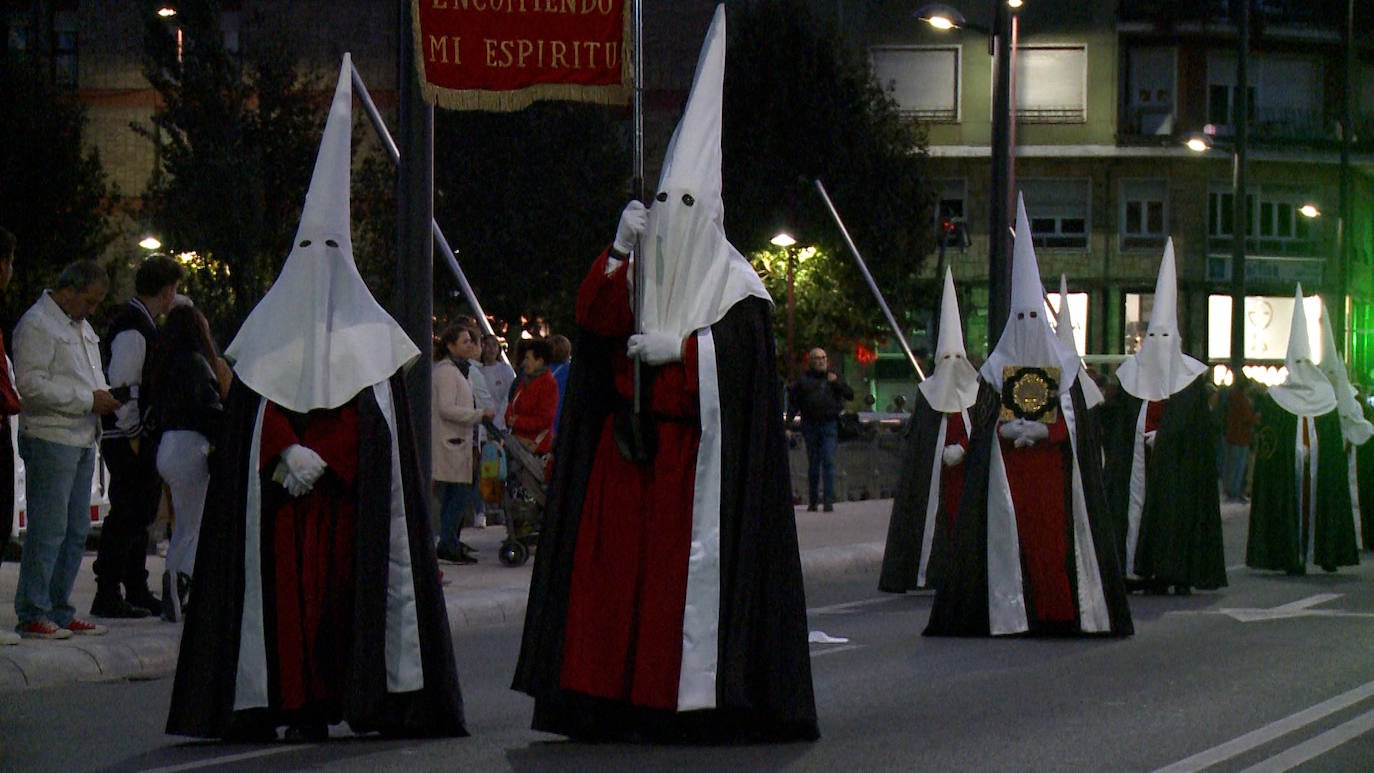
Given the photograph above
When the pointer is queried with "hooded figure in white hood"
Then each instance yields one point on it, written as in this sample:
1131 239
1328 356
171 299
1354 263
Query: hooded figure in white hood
1300 510
1161 470
1063 330
667 598
1355 428
1033 551
932 473
315 486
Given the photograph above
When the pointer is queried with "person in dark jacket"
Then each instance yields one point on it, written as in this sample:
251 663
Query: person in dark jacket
189 413
818 395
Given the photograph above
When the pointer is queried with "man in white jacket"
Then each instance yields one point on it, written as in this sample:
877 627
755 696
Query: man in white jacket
57 370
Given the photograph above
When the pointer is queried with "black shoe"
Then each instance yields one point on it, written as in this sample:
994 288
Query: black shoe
110 604
140 596
464 557
449 555
310 732
828 508
811 508
466 548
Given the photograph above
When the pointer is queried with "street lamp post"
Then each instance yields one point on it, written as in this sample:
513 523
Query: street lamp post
1002 46
1240 116
785 241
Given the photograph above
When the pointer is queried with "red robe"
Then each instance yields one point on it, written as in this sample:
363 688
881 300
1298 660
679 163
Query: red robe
952 476
312 545
623 639
1035 475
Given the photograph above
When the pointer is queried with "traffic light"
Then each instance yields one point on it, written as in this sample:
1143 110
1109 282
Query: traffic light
954 233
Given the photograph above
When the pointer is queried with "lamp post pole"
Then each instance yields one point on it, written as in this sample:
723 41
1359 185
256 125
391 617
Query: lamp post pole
791 300
1344 243
1240 119
1001 195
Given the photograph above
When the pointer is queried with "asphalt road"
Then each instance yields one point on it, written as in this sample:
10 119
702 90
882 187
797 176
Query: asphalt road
1272 673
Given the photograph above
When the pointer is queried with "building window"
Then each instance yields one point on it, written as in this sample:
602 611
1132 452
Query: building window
949 212
1284 96
924 82
1139 307
1144 212
230 22
64 50
1274 224
1150 77
1058 211
16 34
1051 84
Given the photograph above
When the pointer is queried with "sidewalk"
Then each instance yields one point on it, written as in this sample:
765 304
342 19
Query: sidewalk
846 542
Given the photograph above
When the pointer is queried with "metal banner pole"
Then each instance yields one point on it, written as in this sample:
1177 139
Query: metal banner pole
445 249
637 265
863 269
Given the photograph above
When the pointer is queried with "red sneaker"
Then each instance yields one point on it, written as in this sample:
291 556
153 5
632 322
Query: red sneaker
43 629
80 627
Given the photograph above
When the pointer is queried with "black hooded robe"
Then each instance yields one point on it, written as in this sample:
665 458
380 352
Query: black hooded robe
961 605
763 677
921 451
203 694
1179 541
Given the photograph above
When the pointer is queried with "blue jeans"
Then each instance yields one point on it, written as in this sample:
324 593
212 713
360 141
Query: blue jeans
1233 472
453 505
820 457
57 484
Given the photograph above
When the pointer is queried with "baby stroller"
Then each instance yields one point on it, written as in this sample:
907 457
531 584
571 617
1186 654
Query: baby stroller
513 475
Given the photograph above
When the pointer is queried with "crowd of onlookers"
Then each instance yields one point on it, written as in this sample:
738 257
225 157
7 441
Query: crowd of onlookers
478 397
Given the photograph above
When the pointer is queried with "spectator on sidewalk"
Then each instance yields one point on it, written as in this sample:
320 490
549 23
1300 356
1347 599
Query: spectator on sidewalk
9 406
561 351
533 407
819 395
188 416
57 370
453 431
1241 419
129 453
499 375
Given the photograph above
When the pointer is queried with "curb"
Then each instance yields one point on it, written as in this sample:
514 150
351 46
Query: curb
152 654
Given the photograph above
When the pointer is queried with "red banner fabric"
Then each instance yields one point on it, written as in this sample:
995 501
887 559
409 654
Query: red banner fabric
505 54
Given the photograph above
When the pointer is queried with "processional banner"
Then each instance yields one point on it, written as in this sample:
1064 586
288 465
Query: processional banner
504 54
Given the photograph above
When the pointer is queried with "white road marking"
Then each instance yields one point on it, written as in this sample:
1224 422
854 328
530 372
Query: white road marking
1316 746
851 606
230 758
1269 732
833 650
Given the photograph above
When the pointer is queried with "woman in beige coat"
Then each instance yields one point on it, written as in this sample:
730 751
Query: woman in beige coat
452 429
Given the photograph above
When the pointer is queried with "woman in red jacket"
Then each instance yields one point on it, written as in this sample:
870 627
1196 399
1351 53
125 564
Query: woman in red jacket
534 406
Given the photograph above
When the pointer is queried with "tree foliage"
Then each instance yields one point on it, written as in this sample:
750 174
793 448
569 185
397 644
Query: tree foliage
235 133
53 191
799 107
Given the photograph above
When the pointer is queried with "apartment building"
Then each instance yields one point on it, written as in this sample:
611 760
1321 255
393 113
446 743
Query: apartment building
1104 96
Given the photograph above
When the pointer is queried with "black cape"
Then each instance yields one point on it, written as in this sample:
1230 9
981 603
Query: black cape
763 681
961 600
901 567
1278 539
1179 540
203 692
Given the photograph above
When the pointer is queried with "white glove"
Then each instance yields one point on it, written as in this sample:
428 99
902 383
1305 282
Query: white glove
1150 439
1032 432
654 348
633 220
1011 430
303 464
295 486
952 454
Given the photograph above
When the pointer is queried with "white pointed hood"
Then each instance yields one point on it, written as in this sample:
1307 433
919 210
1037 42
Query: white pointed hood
692 274
1305 392
1063 330
1028 339
318 337
953 386
1354 425
1160 368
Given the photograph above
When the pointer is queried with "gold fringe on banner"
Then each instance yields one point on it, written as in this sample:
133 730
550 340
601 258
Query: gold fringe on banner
519 99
